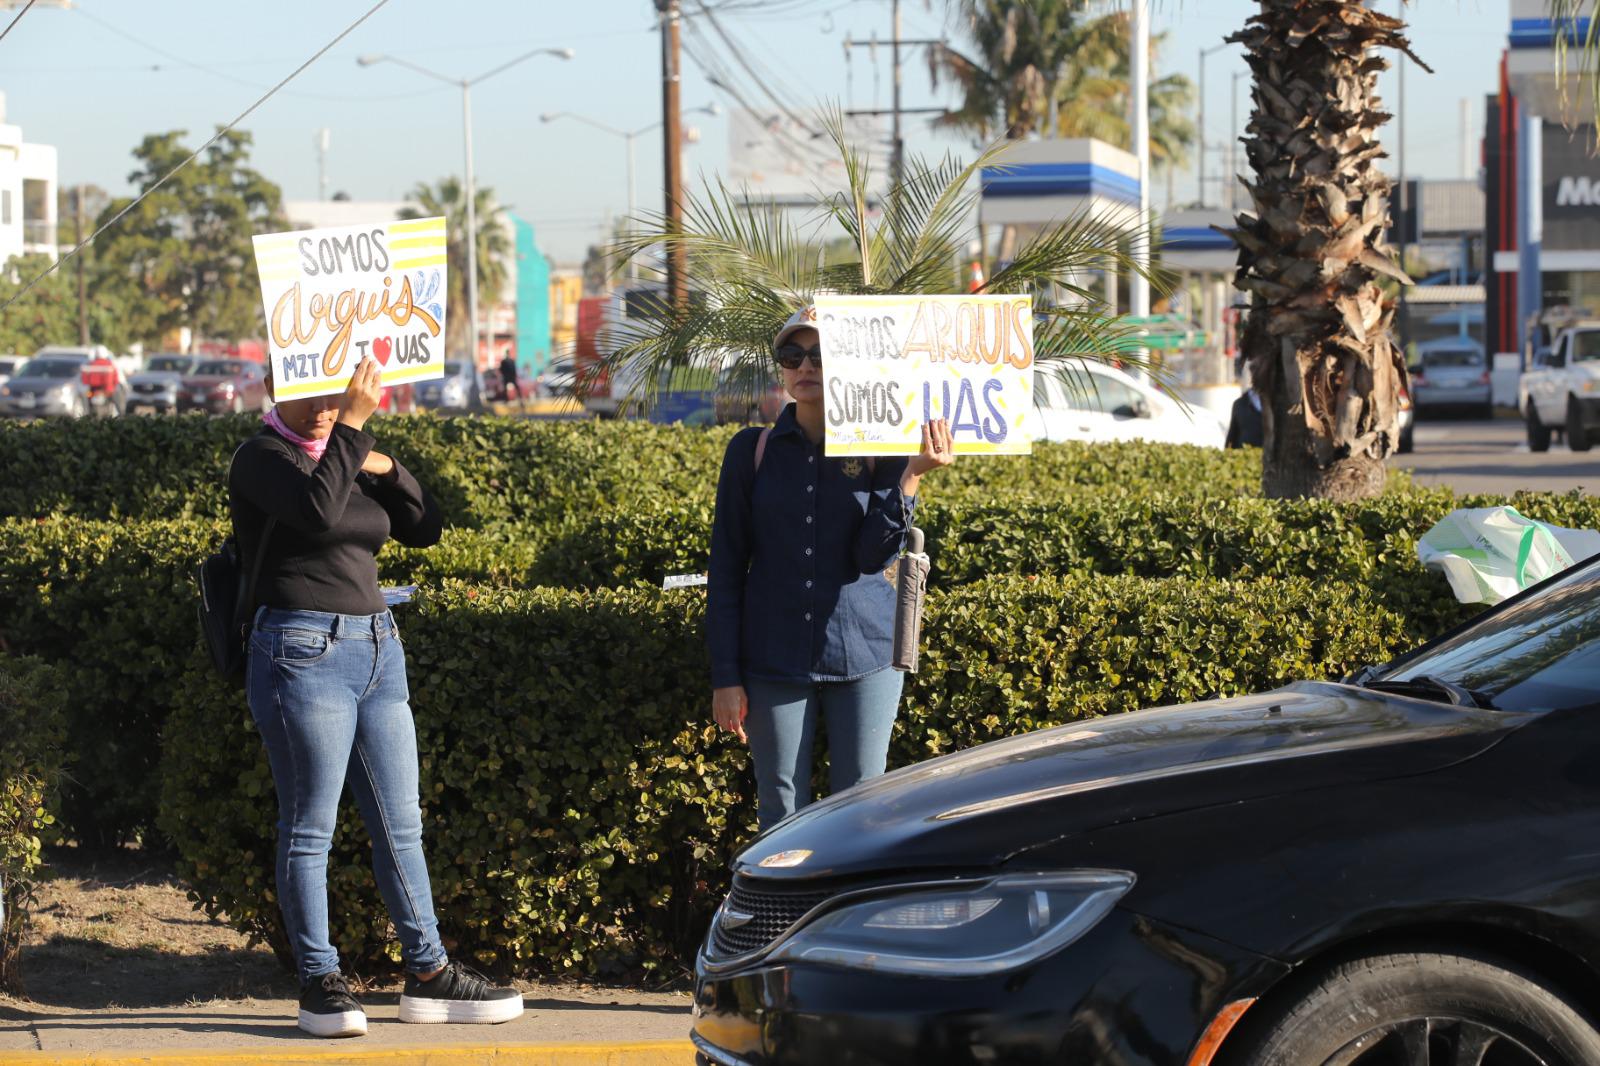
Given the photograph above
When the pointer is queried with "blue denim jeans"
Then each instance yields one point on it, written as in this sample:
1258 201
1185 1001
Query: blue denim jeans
329 694
782 727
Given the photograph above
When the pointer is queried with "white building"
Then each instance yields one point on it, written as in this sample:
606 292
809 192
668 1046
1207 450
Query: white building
27 193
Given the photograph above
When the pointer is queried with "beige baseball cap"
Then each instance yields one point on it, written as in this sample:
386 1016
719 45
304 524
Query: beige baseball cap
805 318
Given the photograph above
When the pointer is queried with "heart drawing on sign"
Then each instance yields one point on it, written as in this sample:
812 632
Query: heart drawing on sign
380 348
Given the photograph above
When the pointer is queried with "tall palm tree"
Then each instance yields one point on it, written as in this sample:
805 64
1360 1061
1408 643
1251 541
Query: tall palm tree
1018 52
494 247
1093 98
754 265
1312 247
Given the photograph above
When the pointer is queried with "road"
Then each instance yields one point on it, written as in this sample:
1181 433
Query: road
1493 457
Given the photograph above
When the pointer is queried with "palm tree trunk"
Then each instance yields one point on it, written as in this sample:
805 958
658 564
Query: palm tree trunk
1312 249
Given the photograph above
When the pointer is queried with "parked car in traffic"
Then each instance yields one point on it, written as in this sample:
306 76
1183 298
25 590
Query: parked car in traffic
1093 402
558 379
46 386
1561 390
1393 868
460 389
219 386
155 388
1451 373
748 395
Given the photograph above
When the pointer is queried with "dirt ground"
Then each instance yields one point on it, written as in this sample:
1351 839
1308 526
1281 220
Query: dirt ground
116 929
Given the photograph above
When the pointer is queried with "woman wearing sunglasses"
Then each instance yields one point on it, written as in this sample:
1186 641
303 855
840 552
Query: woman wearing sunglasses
800 614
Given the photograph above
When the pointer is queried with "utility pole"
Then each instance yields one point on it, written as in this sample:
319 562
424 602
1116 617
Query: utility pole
322 161
1139 68
672 147
83 303
897 148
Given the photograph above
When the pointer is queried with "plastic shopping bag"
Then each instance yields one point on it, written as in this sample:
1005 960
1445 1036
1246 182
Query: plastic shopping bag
1490 553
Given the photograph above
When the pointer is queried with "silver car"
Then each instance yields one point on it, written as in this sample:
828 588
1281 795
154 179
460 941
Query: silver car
460 389
1451 372
47 385
155 388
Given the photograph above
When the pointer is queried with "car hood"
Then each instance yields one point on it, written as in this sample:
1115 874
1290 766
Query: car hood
981 806
156 377
204 381
41 384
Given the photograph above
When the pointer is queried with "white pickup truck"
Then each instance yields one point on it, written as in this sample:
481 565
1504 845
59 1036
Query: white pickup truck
1561 390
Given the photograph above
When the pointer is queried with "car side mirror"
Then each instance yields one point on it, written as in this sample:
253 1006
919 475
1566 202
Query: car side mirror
1556 359
1141 408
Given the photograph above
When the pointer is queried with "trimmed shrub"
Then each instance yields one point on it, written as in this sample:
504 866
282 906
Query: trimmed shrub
580 808
31 733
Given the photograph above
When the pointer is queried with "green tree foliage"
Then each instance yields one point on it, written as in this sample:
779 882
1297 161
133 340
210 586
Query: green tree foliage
182 257
48 314
447 198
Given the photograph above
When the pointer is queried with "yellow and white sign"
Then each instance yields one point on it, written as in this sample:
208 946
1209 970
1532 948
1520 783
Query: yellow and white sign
334 296
892 363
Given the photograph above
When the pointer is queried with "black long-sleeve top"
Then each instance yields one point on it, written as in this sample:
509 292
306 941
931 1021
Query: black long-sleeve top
332 519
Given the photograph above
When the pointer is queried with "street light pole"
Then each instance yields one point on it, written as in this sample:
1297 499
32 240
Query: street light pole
1232 177
471 191
628 137
1203 53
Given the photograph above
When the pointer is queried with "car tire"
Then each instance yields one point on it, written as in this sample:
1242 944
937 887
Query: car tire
1407 441
1538 432
1577 433
1486 412
1387 1008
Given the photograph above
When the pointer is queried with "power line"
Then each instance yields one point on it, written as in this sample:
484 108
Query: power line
16 20
221 130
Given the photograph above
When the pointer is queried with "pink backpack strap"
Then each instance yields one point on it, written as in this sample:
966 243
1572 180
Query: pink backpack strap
761 445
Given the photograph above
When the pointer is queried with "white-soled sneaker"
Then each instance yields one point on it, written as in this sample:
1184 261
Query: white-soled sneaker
328 1009
458 994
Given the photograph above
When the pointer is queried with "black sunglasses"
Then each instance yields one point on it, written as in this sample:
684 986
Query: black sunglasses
790 356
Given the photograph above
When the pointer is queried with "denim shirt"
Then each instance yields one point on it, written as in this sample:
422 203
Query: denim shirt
799 548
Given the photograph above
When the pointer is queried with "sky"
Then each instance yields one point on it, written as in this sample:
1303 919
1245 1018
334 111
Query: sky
93 79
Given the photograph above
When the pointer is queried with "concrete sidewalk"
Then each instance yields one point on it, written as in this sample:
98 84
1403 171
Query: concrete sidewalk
561 1027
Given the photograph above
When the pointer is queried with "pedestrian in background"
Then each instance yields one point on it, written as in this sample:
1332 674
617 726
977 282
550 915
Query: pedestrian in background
326 682
800 611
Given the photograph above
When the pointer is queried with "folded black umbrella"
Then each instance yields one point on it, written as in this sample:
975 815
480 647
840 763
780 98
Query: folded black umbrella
909 593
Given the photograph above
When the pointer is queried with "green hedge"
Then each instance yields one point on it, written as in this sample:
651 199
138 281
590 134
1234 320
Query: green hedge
486 471
1370 543
580 811
31 755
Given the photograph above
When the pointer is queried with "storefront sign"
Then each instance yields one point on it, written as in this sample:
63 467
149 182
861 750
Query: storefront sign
1571 180
334 296
892 363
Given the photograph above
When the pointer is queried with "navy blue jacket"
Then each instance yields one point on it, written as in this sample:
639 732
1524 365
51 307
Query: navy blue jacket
799 551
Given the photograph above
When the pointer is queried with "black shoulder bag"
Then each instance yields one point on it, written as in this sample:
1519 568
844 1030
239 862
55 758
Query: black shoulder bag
227 604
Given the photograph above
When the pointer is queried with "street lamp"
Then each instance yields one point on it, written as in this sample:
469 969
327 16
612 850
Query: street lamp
1235 134
628 137
1203 53
466 131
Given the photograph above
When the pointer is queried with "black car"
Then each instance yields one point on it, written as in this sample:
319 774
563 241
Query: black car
1402 868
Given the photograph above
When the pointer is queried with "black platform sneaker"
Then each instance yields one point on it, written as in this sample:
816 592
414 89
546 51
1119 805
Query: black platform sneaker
459 994
328 1009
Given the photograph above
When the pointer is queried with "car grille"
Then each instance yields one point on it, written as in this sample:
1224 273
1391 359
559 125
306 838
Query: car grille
771 914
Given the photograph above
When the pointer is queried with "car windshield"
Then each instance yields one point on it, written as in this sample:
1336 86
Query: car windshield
178 363
1541 654
1586 346
1443 357
50 368
216 369
454 368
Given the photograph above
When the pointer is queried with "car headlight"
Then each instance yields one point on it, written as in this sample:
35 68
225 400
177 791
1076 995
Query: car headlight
65 392
1591 385
968 930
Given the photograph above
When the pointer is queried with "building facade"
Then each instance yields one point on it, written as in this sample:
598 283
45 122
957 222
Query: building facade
27 194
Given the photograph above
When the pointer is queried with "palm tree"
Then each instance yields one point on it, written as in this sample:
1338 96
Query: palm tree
751 265
1312 248
1019 51
494 246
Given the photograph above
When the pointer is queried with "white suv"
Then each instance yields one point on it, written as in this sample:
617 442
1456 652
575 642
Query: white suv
1561 390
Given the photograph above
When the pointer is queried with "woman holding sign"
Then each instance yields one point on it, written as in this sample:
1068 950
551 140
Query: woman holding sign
800 613
326 680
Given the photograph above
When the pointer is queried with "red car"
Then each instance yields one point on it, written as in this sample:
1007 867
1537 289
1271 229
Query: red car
220 386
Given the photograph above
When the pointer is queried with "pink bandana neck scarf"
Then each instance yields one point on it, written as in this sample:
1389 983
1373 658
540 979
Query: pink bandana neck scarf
313 448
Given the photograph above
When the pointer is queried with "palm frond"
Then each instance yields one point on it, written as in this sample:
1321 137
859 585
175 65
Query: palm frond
749 266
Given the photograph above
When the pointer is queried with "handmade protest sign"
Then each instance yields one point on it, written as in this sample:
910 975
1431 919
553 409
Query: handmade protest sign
335 295
892 363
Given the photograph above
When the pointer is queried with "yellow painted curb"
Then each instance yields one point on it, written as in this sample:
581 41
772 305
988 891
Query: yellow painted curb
648 1053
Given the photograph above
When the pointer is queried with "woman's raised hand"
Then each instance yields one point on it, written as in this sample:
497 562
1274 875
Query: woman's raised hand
362 395
937 449
729 707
